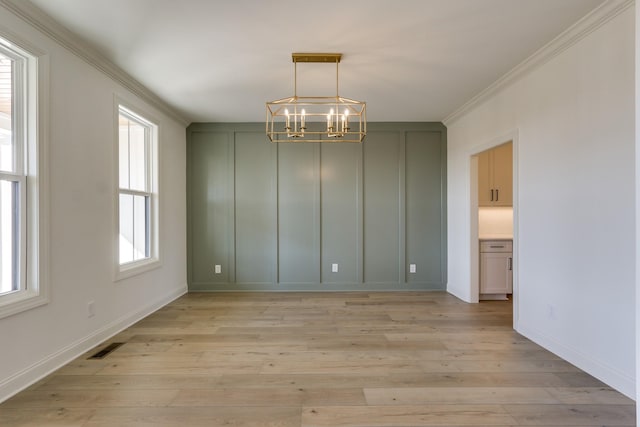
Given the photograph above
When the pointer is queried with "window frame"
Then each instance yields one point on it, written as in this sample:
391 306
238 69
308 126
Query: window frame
30 89
153 261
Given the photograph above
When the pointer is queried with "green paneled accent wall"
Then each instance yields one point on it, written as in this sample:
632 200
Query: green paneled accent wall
278 216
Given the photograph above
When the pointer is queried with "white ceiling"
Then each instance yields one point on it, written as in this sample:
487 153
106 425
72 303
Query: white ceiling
410 60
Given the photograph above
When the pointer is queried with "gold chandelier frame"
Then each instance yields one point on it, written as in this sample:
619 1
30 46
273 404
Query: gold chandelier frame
316 118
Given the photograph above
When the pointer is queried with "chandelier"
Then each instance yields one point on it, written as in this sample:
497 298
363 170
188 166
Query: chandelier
316 118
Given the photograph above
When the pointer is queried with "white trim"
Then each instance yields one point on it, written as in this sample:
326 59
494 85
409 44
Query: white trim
35 17
585 26
47 365
472 197
605 373
34 168
123 271
637 213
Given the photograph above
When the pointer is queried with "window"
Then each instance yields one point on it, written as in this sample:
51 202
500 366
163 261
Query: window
21 231
137 195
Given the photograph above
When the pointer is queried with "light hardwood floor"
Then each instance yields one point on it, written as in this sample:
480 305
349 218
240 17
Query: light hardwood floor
334 359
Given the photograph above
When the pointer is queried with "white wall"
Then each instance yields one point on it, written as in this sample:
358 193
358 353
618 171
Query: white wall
82 222
574 118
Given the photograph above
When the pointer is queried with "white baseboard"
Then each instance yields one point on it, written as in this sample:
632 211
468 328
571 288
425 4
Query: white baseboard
605 373
28 376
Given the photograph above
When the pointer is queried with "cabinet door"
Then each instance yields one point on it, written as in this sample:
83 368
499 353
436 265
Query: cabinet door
502 174
495 275
484 179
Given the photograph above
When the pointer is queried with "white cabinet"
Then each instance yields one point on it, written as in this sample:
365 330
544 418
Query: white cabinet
496 269
495 176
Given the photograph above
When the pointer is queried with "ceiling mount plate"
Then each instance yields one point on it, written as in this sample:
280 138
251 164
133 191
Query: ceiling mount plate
316 57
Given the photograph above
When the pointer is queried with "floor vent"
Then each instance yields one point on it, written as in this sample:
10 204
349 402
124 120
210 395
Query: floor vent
105 351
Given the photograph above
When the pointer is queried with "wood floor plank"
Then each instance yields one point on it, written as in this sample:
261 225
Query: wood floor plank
393 416
244 347
364 367
143 367
43 398
458 379
589 395
129 382
574 415
196 417
321 359
458 395
498 366
497 355
306 357
56 417
270 397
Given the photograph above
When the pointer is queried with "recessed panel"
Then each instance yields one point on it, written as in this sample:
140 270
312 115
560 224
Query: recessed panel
381 207
424 207
209 209
341 230
298 214
255 208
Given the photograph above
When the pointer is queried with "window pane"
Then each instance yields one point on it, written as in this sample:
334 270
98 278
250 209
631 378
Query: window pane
126 228
9 227
123 151
137 157
134 228
6 100
140 227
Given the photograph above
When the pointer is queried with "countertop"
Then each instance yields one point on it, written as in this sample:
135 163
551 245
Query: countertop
495 237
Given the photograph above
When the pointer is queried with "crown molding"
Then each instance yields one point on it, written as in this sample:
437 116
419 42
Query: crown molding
585 26
35 17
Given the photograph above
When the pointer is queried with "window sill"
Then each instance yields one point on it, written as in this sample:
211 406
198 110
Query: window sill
135 268
11 304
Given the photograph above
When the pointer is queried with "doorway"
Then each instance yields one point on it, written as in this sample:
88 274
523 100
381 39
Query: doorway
493 224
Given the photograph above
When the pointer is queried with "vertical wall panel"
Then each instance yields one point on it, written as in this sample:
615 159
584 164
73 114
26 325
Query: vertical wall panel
298 214
423 216
210 207
255 237
341 232
381 207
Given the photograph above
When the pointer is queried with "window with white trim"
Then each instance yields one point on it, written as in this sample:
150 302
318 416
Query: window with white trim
21 282
138 191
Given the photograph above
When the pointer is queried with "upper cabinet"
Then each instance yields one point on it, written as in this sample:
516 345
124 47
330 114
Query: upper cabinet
495 176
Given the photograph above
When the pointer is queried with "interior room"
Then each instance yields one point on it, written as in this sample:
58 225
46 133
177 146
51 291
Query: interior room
382 213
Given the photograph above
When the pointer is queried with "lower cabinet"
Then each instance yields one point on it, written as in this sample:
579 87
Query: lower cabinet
496 269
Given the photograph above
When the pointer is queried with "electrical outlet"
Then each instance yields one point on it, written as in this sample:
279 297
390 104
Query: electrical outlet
334 268
551 311
412 268
218 269
91 309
